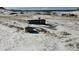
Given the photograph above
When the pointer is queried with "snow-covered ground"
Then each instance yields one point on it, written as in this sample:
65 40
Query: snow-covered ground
61 35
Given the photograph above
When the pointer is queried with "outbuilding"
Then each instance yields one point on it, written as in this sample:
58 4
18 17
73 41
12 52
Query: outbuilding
37 21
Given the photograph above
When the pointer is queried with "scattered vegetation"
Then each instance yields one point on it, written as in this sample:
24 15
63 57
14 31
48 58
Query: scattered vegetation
68 40
41 30
18 28
70 44
69 15
65 33
77 45
53 27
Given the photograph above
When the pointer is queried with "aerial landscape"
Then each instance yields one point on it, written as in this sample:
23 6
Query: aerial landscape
39 29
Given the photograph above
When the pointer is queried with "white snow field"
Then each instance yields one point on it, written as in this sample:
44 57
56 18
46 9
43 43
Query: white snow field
62 35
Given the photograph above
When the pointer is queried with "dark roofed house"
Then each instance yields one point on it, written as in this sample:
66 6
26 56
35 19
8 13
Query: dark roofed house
37 21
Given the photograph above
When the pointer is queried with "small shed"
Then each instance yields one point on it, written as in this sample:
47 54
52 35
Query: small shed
37 21
31 30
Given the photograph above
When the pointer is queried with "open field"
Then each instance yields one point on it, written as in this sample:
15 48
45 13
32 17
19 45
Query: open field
60 33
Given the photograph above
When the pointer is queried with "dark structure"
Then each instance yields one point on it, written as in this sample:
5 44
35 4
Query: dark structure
72 15
64 14
13 13
69 15
31 30
37 21
21 12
